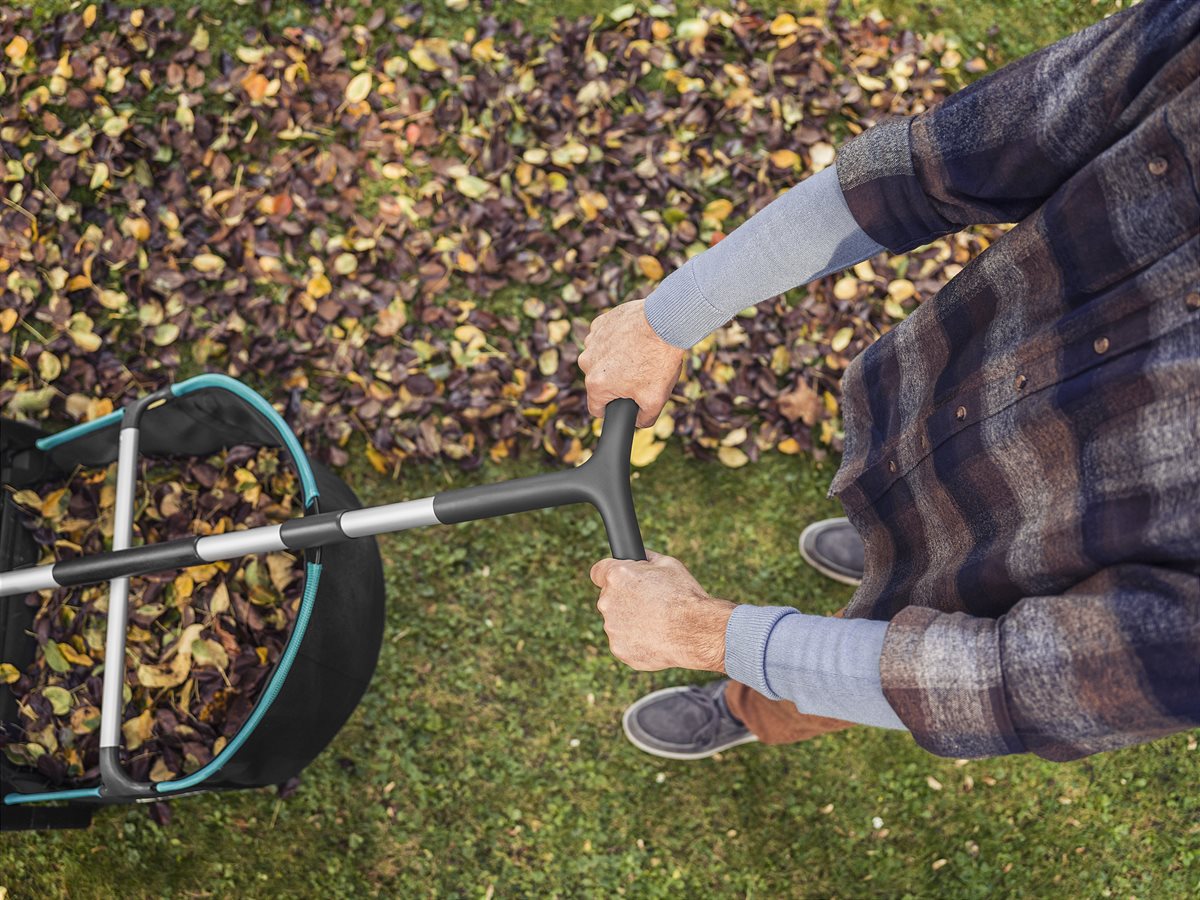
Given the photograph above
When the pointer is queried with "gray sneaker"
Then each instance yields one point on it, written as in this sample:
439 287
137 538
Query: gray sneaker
833 548
686 722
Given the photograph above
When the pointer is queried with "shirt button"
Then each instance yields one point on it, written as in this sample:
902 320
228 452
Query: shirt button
1193 300
1020 382
1157 166
892 466
960 413
1100 345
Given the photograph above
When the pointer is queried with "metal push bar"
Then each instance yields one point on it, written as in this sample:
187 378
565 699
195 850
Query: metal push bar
602 481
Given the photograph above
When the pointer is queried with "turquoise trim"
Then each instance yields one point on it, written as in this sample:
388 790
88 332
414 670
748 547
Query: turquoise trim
224 382
50 441
312 578
78 794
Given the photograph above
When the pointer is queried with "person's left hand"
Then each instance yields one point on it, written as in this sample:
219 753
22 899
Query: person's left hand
657 616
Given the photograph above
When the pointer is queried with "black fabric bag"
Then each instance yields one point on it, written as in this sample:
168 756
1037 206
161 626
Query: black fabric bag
333 649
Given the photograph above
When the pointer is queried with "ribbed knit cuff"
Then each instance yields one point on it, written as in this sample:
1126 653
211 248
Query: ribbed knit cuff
679 312
746 638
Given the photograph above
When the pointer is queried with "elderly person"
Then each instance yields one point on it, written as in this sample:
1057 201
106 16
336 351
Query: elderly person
1021 473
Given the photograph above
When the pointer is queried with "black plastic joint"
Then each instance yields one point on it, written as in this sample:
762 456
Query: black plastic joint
135 410
114 783
312 531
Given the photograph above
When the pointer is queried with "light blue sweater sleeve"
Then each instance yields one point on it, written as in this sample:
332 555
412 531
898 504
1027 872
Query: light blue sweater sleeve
826 666
800 236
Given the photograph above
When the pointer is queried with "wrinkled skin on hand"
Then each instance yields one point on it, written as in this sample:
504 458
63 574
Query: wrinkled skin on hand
623 357
657 616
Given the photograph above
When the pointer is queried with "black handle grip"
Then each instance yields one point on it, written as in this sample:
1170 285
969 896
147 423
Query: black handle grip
602 481
614 496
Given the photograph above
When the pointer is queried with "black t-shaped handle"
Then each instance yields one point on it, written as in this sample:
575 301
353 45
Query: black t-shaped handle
602 481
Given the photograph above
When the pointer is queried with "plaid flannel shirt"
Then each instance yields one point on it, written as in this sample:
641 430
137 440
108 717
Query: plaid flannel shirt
1023 452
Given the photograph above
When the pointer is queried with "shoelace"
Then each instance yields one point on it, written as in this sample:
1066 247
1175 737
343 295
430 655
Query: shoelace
714 713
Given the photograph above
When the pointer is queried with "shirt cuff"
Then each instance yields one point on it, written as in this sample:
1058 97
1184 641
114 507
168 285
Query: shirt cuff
825 666
679 312
746 638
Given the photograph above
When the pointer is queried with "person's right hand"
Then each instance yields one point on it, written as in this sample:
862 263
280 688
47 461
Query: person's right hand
623 357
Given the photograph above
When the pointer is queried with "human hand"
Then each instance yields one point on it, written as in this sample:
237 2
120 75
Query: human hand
623 357
657 616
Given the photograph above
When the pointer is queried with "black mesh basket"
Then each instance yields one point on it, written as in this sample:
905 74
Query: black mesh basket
331 650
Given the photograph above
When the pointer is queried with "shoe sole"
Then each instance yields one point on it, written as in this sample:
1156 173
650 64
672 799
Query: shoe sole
671 754
840 577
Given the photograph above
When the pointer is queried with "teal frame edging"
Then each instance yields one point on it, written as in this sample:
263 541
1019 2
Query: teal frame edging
50 441
78 794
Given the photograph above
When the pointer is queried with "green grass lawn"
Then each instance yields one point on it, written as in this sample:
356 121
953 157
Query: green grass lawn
487 758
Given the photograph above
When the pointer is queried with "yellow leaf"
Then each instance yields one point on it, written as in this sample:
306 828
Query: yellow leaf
49 366
870 83
664 426
650 267
645 449
733 457
136 228
8 319
359 87
208 262
184 586
422 58
282 569
790 446
377 460
846 288
735 437
255 85
99 176
113 299
472 186
548 362
785 159
207 652
89 16
319 286
901 289
219 601
174 674
784 23
8 673
718 210
822 155
138 730
557 330
17 48
591 202
841 340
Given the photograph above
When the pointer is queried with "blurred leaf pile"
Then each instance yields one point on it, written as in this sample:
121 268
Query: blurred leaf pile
403 236
200 643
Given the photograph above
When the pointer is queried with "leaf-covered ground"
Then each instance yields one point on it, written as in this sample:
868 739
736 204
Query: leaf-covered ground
405 234
487 758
